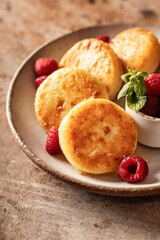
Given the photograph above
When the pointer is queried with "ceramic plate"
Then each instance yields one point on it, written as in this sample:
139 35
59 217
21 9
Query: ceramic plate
31 137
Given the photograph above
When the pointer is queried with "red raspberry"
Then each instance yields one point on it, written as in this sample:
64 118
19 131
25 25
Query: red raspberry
52 143
45 66
133 169
104 38
151 106
153 84
39 80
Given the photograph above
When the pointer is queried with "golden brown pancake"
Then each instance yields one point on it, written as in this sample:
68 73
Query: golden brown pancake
61 91
137 48
158 70
99 59
96 135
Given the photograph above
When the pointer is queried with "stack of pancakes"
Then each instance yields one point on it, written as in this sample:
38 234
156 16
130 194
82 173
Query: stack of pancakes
95 133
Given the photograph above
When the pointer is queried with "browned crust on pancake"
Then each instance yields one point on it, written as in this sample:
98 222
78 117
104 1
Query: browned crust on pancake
99 59
61 91
137 48
96 135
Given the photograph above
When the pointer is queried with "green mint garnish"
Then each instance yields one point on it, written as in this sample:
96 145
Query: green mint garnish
135 102
134 89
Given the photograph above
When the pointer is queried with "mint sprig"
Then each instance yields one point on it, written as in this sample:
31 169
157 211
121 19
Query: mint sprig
134 89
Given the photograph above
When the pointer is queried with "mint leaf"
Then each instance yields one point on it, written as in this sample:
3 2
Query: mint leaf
126 77
133 79
136 72
142 74
129 70
136 102
140 87
134 89
126 89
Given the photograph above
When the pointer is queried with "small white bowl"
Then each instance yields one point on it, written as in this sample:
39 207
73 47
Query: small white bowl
148 128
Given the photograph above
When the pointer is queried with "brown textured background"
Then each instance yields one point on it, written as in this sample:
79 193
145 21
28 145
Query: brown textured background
34 205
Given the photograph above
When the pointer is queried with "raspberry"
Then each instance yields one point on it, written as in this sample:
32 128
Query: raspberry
104 38
45 66
133 169
52 143
153 84
39 80
151 106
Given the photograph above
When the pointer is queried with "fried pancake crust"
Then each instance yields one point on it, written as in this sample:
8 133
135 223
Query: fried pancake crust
137 48
99 59
96 134
61 91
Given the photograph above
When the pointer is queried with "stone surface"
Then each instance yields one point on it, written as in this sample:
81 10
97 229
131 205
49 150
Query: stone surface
34 205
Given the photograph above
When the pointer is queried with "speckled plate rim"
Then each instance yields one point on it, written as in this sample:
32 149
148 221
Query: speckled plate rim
112 191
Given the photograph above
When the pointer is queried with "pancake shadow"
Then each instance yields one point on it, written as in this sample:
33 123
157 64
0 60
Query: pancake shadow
114 177
60 157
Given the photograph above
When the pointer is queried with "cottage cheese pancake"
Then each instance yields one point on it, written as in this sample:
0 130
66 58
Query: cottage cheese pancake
98 58
96 134
61 91
137 48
